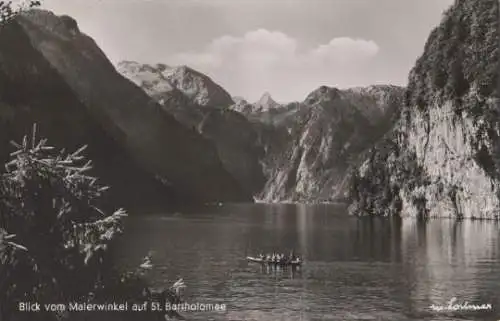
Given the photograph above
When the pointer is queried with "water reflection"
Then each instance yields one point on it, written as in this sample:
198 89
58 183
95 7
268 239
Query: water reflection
302 229
355 269
283 272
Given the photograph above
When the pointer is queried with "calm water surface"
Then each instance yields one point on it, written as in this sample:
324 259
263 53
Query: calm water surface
356 269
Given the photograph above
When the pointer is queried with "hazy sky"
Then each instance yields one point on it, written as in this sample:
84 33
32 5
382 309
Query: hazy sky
286 47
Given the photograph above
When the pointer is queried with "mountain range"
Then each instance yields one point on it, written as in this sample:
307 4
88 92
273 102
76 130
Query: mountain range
297 152
160 131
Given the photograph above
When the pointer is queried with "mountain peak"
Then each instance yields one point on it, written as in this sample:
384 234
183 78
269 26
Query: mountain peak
266 102
62 26
162 67
199 87
323 93
266 95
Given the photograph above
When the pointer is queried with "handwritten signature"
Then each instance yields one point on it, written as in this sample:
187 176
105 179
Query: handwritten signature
454 305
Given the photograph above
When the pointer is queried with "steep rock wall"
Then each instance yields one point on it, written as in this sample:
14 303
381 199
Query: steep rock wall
441 159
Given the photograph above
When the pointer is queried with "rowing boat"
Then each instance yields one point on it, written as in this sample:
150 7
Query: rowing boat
268 262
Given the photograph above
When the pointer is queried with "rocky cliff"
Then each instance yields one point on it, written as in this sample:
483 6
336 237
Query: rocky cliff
311 145
441 159
199 103
56 76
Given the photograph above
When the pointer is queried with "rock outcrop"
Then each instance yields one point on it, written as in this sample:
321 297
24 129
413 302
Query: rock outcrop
311 145
56 76
204 107
441 159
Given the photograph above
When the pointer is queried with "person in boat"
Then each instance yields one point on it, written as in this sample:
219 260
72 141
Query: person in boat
261 256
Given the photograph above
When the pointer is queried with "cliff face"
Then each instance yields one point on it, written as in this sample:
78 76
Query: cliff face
442 157
54 75
199 103
311 145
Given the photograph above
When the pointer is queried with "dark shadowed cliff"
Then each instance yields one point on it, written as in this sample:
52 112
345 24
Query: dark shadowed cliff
442 156
54 75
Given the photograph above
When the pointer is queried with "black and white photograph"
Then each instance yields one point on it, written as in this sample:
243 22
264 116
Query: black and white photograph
249 160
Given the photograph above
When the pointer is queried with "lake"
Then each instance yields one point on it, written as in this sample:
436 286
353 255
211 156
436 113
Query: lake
355 269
